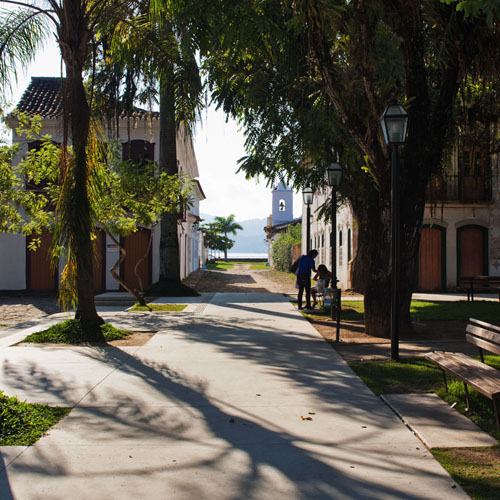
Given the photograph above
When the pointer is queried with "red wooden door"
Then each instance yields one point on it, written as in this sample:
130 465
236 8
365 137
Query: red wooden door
39 273
472 251
430 260
136 247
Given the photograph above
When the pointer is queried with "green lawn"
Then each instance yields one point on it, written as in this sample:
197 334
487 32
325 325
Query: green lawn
73 331
159 307
431 311
22 424
477 471
259 266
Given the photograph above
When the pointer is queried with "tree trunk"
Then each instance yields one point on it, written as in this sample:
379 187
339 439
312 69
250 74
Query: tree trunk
169 240
73 40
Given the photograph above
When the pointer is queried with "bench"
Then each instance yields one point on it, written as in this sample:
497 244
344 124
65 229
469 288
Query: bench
479 283
482 377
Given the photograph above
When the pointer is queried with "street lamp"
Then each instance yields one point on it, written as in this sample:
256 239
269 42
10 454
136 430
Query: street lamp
334 171
394 122
308 198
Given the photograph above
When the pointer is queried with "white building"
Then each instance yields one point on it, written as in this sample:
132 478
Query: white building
23 269
460 233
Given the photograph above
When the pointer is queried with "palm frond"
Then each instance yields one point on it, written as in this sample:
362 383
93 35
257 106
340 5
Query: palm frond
22 33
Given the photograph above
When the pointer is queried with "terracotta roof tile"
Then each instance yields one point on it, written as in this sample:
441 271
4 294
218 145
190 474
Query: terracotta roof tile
43 97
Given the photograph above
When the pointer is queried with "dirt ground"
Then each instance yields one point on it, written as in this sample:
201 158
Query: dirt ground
18 307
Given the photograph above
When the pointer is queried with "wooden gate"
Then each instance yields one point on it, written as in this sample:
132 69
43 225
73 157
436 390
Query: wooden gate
136 245
431 259
472 251
39 273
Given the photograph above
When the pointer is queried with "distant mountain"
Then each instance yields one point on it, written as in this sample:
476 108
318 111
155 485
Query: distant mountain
250 240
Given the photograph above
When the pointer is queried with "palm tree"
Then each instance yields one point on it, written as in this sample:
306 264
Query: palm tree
22 32
227 225
160 54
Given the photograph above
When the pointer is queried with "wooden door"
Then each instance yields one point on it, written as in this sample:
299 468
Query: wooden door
430 259
472 251
100 261
136 246
39 273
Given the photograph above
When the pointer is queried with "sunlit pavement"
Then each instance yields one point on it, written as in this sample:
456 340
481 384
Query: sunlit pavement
238 399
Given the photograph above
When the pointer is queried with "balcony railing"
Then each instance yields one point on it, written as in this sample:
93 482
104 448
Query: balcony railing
461 189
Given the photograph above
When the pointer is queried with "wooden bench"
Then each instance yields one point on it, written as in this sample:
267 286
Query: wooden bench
485 283
482 377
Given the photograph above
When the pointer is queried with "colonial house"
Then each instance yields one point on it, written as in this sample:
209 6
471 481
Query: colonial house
461 226
139 136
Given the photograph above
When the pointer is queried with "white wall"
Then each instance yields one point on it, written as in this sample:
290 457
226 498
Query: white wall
13 262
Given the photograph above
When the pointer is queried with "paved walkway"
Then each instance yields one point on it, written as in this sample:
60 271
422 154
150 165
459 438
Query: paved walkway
240 399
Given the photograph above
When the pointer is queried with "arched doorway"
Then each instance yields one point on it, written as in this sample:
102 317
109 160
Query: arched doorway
432 259
136 246
472 251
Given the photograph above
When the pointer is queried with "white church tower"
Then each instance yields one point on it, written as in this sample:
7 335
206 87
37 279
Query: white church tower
282 204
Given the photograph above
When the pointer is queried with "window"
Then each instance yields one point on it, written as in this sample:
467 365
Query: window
282 205
138 151
322 240
340 238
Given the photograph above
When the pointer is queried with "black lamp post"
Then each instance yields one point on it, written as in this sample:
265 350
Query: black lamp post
308 198
394 122
334 171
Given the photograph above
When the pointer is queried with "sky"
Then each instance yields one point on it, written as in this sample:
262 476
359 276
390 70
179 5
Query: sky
218 146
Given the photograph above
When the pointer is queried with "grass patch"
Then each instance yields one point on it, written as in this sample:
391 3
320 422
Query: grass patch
259 266
166 288
73 331
220 266
22 424
159 307
477 470
434 311
416 374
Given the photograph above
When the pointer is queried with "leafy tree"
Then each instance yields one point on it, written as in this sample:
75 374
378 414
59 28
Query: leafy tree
136 196
22 32
283 247
215 239
311 76
227 225
151 57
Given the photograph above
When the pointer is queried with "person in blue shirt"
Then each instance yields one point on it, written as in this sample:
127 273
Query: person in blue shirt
306 265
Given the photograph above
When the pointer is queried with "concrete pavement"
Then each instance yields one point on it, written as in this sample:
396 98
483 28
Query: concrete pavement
239 399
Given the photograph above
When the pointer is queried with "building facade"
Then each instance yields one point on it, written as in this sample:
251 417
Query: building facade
139 137
460 232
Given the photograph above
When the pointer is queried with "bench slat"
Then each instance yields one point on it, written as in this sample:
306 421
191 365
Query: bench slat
483 324
483 344
485 379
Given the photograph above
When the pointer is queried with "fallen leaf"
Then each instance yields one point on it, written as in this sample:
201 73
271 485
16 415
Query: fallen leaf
305 418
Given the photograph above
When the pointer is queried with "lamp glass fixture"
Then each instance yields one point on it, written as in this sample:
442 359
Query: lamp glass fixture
334 171
394 122
308 195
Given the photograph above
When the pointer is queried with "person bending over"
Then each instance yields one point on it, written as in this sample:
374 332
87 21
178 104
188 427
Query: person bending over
323 277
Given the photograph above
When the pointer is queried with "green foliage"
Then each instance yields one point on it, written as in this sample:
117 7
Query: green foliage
22 424
282 248
215 233
75 331
28 211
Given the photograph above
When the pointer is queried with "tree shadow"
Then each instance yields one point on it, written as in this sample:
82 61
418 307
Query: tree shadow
162 403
